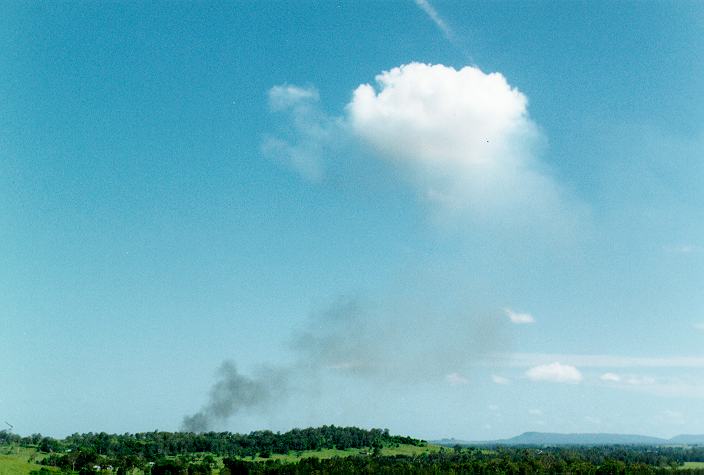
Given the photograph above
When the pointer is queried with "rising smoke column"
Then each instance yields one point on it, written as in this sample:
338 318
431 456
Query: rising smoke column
385 344
232 393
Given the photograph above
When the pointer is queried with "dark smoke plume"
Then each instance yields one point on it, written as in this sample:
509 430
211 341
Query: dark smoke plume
397 343
232 393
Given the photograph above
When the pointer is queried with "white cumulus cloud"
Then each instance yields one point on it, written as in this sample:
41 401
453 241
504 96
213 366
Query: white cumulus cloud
519 318
555 373
464 137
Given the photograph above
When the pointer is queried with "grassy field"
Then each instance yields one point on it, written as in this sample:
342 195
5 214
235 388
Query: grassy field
693 465
18 460
402 449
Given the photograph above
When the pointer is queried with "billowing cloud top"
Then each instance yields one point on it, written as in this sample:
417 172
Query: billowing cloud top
435 113
462 137
465 135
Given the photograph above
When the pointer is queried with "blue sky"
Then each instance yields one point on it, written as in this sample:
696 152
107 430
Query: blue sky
444 218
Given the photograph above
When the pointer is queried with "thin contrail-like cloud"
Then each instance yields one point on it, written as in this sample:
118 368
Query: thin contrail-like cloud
442 25
437 19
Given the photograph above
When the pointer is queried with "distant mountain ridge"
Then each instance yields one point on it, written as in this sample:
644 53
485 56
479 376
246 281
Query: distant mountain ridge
691 439
599 438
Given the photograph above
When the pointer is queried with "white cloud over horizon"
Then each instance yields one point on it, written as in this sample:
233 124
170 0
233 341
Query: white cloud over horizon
555 373
628 379
522 360
519 318
666 386
610 377
544 367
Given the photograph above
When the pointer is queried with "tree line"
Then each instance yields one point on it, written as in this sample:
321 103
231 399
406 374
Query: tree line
152 445
185 453
508 461
151 450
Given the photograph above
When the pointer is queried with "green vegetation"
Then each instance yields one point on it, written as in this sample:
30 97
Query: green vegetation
323 450
203 453
692 465
18 460
389 451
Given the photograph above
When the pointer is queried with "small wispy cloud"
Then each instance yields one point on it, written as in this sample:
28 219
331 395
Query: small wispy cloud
699 326
500 379
661 386
628 379
519 318
683 249
535 412
456 379
308 135
436 18
610 377
287 95
554 373
635 380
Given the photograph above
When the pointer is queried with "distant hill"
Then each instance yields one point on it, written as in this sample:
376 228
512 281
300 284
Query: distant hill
689 439
453 442
551 438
